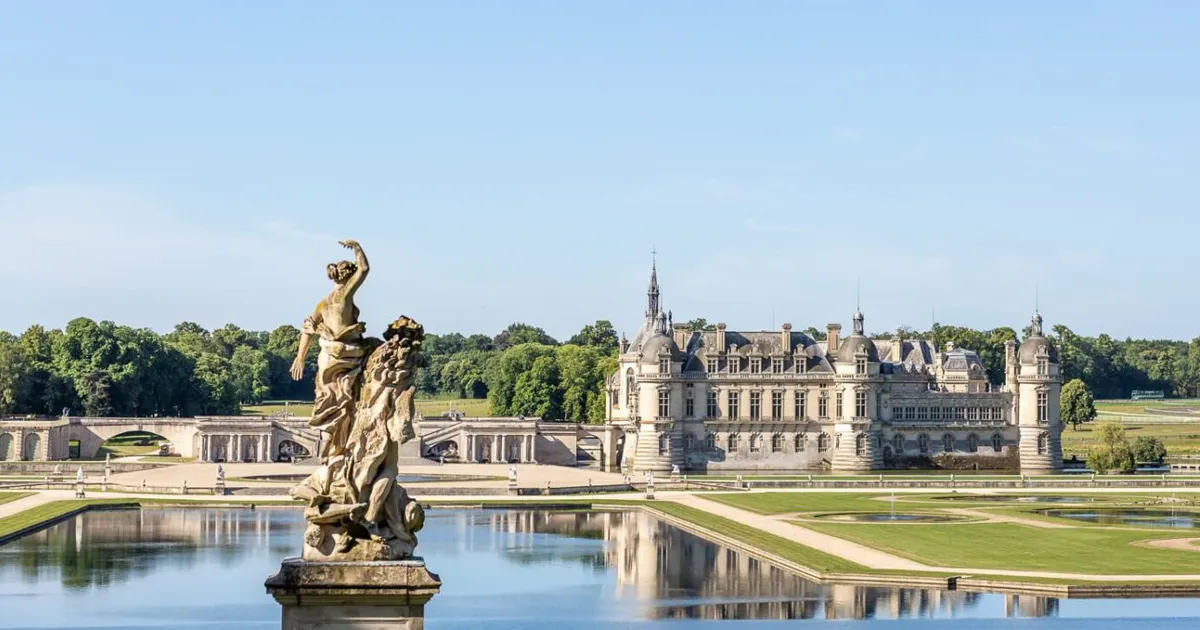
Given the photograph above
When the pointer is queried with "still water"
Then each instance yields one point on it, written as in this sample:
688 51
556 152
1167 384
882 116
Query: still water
204 568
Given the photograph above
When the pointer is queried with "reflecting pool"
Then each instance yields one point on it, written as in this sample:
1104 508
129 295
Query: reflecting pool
1168 519
504 569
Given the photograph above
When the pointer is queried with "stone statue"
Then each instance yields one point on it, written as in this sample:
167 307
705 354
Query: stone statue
220 474
58 470
79 475
512 473
364 407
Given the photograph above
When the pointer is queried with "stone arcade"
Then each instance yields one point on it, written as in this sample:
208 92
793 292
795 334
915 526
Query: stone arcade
781 400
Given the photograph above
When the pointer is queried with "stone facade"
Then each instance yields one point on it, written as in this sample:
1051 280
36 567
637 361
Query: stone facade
781 400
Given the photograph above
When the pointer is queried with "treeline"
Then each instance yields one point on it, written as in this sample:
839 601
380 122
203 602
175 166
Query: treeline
101 368
104 369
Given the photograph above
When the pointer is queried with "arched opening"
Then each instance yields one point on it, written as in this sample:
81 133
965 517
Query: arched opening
689 442
947 443
777 443
446 448
972 443
733 442
711 441
664 444
997 443
134 444
923 443
6 447
800 440
898 443
291 451
823 443
32 442
1042 441
860 445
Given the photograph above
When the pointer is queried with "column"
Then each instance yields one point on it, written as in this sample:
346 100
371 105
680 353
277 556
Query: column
204 456
469 448
270 447
496 440
533 448
524 448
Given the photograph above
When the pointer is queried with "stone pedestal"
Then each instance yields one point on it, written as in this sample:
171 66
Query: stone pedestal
353 595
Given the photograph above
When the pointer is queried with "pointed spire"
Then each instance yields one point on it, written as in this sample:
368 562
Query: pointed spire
652 294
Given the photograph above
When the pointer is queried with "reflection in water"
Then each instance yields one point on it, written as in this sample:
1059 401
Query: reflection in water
515 569
1169 519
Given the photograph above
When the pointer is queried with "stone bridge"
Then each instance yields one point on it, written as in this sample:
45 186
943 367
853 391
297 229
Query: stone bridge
209 438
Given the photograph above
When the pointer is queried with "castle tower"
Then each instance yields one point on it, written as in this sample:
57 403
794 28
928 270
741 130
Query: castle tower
1039 387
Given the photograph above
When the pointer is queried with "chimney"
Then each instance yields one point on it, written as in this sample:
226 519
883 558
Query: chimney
785 339
833 337
898 355
721 347
681 332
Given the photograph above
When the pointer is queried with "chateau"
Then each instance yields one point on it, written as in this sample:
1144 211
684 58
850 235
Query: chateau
781 400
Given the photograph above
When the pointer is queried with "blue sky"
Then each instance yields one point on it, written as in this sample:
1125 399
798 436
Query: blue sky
517 161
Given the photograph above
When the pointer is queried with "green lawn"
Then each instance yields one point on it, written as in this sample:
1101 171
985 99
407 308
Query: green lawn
471 407
1180 438
50 511
1021 547
6 497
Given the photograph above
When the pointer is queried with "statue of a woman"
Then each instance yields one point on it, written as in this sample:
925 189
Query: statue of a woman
340 335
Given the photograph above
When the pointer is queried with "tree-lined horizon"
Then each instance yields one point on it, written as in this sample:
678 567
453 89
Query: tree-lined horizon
105 369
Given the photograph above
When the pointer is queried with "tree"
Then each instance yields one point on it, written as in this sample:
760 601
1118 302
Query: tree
600 335
1149 449
1112 451
502 374
699 324
1076 404
251 374
11 372
537 391
214 376
518 333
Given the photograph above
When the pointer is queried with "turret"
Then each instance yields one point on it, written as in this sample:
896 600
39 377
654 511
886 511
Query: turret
1039 387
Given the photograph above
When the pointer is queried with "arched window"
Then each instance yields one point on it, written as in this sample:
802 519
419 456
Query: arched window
689 442
972 443
923 443
664 444
800 440
947 442
755 443
711 441
860 444
733 442
628 387
823 443
898 443
997 443
777 443
1043 440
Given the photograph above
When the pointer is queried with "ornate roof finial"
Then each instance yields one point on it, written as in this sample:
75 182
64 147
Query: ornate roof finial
652 294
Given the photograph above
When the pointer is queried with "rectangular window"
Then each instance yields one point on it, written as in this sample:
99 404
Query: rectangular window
910 413
664 403
837 409
823 407
732 400
1043 412
735 365
712 366
710 400
860 366
801 398
922 413
664 365
860 404
755 365
972 413
961 413
801 364
755 405
777 366
689 407
777 405
1042 367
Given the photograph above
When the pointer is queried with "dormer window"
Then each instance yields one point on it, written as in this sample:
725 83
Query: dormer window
1043 366
735 365
802 364
712 366
755 365
777 366
664 365
860 365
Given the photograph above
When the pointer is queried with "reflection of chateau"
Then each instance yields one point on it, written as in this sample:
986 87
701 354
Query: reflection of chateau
667 573
722 399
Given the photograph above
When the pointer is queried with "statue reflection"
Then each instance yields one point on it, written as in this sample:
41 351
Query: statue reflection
667 573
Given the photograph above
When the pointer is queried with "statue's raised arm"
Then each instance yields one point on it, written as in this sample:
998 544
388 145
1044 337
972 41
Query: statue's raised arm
360 262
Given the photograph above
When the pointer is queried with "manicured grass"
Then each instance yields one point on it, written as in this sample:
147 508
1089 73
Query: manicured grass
50 511
1180 438
1009 546
770 543
6 497
471 407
